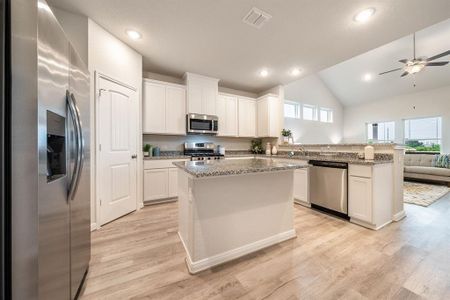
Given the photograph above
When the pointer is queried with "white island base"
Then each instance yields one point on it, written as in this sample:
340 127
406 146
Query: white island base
222 218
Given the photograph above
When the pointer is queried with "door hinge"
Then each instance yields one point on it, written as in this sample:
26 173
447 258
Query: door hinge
100 202
100 147
100 92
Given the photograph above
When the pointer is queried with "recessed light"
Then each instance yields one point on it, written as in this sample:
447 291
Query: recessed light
364 15
134 35
367 77
295 72
264 73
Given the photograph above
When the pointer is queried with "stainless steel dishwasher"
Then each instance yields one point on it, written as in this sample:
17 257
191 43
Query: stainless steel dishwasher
328 183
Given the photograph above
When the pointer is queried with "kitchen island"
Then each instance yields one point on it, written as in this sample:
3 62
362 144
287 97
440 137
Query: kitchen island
230 208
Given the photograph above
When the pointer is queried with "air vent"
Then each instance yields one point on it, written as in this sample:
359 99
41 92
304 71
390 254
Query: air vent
256 18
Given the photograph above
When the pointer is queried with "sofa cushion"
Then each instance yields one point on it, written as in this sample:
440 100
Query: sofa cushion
441 161
423 160
427 170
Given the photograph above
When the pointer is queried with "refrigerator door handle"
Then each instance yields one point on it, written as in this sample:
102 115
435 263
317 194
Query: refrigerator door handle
75 128
76 170
80 145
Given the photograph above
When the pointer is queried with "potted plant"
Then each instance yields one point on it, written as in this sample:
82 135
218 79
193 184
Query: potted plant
257 147
147 148
286 133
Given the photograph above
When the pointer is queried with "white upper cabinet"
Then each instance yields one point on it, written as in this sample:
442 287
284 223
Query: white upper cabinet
164 108
154 108
175 110
227 111
202 94
247 117
268 116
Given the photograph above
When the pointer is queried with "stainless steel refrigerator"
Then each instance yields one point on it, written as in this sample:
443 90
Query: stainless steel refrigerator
45 138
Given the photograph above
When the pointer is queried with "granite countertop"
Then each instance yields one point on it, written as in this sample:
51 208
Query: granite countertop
350 158
180 156
225 167
339 145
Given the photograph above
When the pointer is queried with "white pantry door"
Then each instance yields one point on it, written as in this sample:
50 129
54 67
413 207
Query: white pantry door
117 136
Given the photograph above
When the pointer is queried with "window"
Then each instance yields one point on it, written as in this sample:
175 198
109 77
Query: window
424 134
309 112
326 115
382 132
291 109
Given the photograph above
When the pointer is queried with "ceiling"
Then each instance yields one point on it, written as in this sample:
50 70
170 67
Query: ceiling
346 82
209 37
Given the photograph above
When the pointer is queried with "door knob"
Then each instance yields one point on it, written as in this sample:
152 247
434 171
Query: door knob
133 156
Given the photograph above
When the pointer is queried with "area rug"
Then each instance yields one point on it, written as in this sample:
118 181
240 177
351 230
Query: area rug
423 194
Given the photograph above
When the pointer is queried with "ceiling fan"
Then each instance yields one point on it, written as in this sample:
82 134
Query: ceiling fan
415 65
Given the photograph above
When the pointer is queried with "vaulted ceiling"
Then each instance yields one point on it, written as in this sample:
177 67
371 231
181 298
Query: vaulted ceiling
209 37
347 79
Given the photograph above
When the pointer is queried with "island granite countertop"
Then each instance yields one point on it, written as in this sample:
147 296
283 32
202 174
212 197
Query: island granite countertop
236 167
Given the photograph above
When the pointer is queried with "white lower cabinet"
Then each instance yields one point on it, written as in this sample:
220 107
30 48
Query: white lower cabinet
173 182
301 186
156 184
360 198
370 194
160 180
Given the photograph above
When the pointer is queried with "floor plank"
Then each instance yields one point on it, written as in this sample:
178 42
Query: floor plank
140 257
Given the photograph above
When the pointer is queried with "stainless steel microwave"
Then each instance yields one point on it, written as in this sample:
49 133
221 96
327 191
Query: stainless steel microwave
202 124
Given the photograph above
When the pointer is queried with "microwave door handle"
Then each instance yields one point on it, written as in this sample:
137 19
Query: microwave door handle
72 114
80 145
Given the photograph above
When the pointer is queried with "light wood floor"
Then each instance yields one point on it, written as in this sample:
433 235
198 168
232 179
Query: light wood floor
141 257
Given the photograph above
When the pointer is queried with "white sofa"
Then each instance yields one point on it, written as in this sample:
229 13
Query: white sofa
419 167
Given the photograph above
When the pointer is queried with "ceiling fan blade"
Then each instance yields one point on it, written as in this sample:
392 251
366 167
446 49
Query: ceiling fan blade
439 55
404 74
437 63
398 69
403 61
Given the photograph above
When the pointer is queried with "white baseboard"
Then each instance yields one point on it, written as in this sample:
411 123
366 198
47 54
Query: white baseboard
141 205
93 226
369 225
201 265
399 216
302 203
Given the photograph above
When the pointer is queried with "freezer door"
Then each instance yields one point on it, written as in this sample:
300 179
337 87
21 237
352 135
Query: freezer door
54 226
80 221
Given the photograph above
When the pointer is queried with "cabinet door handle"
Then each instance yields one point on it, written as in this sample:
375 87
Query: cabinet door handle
134 156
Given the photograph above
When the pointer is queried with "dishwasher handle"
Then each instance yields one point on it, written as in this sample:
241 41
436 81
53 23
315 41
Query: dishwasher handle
329 164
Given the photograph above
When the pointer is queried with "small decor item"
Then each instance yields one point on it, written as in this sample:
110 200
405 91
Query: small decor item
257 147
369 152
286 133
274 150
221 150
156 151
291 140
268 149
146 149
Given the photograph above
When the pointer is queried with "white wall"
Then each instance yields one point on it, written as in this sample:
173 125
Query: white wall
430 103
111 57
311 90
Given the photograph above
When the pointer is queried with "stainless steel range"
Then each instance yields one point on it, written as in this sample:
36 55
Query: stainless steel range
202 151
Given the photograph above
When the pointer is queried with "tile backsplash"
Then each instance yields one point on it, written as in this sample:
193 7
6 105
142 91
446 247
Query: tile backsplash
175 143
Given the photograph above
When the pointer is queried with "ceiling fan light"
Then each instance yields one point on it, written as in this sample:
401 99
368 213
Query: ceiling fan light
414 68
